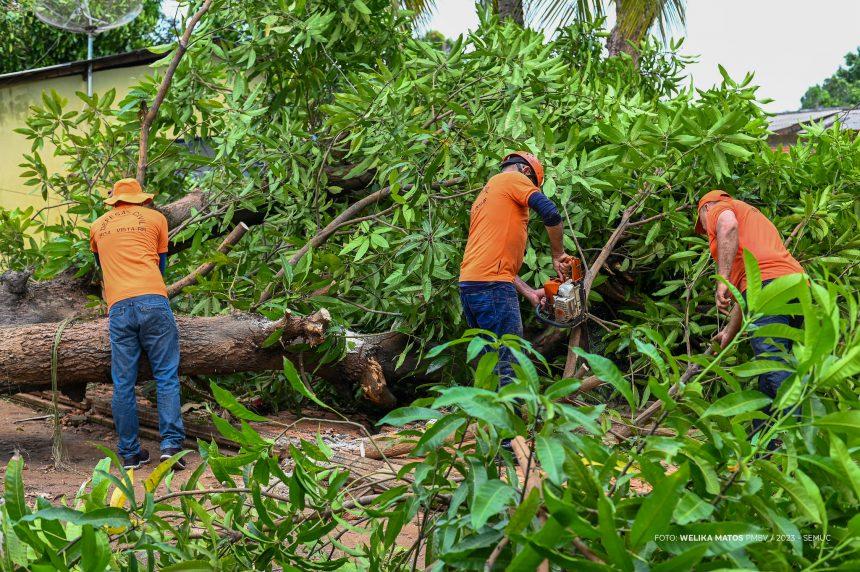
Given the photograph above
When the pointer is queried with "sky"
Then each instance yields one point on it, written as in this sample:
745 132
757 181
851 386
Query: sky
789 44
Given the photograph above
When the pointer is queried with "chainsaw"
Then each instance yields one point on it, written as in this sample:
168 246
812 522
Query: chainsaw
564 305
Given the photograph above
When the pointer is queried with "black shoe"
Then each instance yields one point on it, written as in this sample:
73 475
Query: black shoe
136 461
167 453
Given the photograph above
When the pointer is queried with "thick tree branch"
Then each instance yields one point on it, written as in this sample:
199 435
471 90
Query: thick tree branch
577 334
152 113
207 267
208 346
345 218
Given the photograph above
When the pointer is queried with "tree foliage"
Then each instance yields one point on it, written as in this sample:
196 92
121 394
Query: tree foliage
840 89
27 43
275 105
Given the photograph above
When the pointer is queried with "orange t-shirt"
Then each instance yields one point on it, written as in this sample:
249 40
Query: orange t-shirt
498 229
128 240
758 235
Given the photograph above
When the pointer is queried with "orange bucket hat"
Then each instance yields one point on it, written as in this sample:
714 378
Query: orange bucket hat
128 191
709 197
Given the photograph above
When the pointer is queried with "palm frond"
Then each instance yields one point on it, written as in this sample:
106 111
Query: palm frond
422 9
552 14
632 14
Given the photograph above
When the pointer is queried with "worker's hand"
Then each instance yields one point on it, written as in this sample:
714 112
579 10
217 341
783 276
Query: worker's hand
536 297
724 337
561 263
722 298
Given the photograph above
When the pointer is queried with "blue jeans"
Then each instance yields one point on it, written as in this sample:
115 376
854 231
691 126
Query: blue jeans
770 382
145 324
493 306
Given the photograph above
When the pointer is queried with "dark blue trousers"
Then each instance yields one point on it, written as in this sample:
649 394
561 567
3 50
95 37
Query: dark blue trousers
493 306
770 382
137 325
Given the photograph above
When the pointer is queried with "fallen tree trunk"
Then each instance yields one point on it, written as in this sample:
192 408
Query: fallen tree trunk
208 346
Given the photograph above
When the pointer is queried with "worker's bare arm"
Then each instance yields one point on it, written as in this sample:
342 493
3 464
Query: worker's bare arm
560 259
727 248
527 292
725 336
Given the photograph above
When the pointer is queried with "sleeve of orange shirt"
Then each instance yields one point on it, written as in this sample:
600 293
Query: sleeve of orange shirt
714 213
162 235
521 191
93 244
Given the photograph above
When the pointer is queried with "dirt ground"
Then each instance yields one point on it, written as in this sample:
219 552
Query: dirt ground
33 441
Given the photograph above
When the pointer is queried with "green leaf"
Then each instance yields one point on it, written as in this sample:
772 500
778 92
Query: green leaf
107 516
189 566
737 403
297 384
562 388
609 537
489 499
404 415
361 7
753 276
758 367
655 514
608 372
229 402
841 422
95 550
803 502
683 562
550 453
15 501
436 434
691 508
524 513
273 338
485 369
839 452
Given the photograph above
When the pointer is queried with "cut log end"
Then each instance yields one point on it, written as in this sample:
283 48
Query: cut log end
374 387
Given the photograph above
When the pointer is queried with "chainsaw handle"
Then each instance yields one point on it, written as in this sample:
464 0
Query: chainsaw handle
552 322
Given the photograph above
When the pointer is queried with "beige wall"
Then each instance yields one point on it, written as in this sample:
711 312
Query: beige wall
15 102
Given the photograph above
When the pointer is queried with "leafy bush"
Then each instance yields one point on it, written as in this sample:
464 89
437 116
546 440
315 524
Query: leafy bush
709 496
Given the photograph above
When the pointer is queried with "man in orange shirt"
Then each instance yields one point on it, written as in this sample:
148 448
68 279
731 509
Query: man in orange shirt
496 246
130 246
733 226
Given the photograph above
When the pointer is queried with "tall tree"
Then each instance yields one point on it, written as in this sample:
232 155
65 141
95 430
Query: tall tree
633 18
842 88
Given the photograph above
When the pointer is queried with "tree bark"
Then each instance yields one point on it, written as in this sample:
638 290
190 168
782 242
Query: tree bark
208 346
216 345
512 9
630 28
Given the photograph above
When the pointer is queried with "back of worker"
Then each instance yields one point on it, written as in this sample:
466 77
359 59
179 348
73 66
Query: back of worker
498 229
130 244
129 239
733 226
757 234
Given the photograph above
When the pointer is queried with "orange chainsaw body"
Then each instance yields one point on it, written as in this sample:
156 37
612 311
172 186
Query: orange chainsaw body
565 300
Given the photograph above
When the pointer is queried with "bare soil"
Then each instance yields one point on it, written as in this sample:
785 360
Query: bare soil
33 441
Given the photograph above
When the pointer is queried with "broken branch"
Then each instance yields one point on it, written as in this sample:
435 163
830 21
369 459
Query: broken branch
207 267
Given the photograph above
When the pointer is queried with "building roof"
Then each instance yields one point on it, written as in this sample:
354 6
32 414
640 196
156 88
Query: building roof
127 59
792 121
